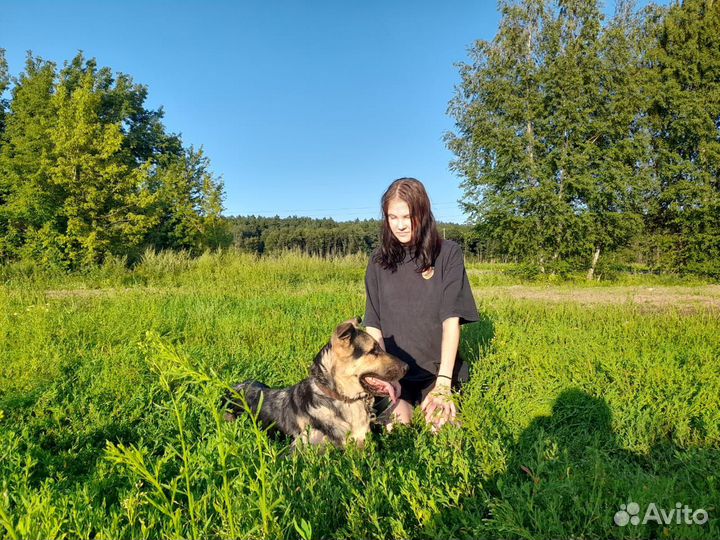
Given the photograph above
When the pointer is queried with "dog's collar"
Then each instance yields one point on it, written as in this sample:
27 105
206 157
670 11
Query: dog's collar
329 392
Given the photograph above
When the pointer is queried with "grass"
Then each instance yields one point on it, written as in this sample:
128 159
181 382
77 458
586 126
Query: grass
110 428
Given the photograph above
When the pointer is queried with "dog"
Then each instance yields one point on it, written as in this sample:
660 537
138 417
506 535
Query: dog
334 404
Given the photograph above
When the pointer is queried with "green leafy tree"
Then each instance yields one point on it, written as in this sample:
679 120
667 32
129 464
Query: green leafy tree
596 132
106 202
189 204
548 142
685 120
30 202
86 171
4 83
496 110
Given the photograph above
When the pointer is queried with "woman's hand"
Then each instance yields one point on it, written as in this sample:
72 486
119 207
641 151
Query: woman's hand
438 405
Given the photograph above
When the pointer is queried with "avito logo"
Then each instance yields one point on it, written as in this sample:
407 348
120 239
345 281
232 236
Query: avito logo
681 514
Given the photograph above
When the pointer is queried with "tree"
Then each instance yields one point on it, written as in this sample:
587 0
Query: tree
685 122
595 112
4 188
4 83
189 204
106 201
496 109
87 172
30 202
548 141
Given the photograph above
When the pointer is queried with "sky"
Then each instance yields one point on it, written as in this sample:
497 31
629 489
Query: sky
307 108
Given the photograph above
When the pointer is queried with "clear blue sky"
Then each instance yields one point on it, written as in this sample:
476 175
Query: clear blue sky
304 107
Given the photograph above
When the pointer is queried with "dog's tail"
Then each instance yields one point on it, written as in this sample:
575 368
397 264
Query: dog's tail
237 399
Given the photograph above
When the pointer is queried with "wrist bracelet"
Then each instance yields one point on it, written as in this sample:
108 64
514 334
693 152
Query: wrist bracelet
438 376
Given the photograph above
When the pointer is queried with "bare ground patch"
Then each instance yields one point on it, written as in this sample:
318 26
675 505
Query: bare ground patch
56 294
686 299
681 298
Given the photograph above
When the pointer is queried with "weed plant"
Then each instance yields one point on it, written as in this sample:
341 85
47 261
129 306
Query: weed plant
110 384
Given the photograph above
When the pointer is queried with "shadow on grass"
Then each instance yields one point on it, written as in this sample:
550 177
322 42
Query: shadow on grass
567 476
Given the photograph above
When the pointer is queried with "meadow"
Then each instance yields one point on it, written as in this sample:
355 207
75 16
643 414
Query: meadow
583 397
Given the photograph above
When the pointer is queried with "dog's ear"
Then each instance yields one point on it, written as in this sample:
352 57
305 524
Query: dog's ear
355 321
346 331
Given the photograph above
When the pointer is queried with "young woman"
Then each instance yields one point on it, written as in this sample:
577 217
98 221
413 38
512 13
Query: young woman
418 295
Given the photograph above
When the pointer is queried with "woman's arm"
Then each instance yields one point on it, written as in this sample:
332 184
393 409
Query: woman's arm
438 405
448 350
376 333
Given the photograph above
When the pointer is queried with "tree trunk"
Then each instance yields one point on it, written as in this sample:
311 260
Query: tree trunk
595 258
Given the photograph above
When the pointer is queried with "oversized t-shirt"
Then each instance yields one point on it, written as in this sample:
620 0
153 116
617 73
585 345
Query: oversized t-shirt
410 309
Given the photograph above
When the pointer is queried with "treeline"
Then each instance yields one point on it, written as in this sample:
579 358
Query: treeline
88 172
579 140
325 237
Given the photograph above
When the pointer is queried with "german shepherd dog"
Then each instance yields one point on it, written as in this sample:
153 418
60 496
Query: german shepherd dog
335 402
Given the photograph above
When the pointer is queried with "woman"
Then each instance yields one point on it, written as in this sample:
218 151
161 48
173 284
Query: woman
418 295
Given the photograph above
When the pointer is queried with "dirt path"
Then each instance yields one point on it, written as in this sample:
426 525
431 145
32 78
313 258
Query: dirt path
683 298
54 294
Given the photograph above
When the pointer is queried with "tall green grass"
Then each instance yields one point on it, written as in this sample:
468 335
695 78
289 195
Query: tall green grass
110 427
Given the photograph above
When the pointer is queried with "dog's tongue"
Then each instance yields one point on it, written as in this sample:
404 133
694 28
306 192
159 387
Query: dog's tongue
384 387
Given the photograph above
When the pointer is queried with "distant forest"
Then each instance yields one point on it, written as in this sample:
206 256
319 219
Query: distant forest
326 237
579 141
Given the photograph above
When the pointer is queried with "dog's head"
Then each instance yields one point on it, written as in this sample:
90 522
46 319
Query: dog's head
354 364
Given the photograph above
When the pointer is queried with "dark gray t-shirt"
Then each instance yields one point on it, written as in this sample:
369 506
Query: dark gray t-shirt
410 310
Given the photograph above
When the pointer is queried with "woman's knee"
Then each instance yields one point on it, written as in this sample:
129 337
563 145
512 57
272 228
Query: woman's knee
402 412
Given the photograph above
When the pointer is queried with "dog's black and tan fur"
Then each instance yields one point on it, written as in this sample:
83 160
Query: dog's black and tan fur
334 402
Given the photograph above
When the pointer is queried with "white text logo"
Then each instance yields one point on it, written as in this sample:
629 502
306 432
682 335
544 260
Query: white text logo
681 514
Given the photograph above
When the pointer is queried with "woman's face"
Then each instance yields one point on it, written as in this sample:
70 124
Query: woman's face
399 220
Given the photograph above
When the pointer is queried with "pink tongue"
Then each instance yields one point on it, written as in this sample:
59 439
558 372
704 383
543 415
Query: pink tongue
385 386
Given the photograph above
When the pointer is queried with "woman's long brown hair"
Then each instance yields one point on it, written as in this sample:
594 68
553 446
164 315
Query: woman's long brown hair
425 242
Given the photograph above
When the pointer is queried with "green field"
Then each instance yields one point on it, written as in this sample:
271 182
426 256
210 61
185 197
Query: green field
582 398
